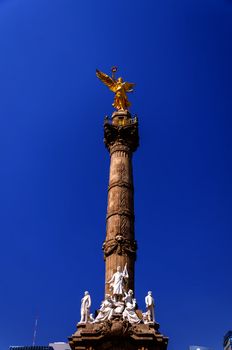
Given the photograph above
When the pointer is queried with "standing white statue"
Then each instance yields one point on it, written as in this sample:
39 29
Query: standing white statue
85 307
118 283
149 301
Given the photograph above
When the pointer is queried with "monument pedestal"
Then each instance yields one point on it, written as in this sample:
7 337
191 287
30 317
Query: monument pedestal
118 335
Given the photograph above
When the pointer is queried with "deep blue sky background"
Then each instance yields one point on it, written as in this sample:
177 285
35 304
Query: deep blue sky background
54 168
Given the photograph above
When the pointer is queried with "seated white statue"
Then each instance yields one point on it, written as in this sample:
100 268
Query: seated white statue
145 318
106 310
129 313
119 307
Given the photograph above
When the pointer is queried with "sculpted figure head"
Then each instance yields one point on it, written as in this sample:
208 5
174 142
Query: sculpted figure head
119 269
120 80
149 293
86 292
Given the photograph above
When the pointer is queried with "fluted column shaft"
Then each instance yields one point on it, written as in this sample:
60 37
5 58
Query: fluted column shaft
120 245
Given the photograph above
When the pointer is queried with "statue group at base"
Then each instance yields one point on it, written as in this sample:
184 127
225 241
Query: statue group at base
121 304
118 324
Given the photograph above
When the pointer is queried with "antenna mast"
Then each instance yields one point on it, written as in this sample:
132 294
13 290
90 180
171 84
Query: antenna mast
35 331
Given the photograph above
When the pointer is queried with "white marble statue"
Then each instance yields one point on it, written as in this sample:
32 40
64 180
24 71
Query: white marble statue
118 282
119 307
150 304
85 307
128 296
145 318
129 313
106 310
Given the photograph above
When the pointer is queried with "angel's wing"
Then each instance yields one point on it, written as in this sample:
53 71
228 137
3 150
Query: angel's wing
129 86
108 81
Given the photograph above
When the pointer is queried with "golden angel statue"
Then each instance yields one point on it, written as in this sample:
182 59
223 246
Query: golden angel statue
119 87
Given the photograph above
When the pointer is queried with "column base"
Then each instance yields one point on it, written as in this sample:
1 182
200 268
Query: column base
118 335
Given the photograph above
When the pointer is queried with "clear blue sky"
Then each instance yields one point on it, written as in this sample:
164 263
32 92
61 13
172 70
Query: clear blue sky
54 167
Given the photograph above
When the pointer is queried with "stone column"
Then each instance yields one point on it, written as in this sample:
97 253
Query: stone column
121 139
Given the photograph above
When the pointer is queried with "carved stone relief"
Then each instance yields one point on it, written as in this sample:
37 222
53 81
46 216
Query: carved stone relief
122 171
120 246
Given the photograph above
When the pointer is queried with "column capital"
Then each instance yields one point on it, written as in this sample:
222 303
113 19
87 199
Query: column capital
121 132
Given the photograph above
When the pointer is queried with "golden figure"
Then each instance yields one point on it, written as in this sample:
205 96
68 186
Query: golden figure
119 87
